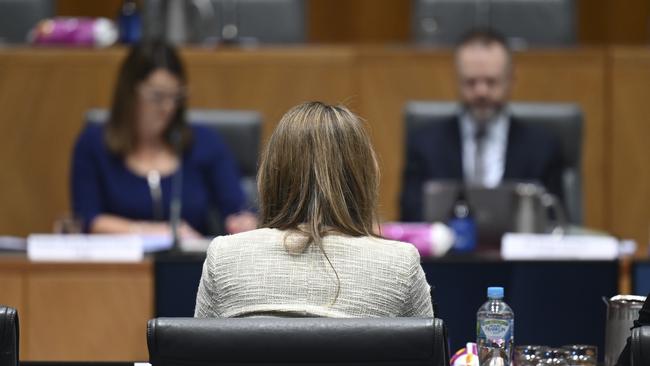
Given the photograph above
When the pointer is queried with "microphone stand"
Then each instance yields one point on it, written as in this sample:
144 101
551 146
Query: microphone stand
176 201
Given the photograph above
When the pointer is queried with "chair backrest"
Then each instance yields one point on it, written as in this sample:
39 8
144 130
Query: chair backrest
18 17
530 22
240 129
297 341
564 120
246 21
9 336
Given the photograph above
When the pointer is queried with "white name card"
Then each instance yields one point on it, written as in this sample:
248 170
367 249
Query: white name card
84 248
558 247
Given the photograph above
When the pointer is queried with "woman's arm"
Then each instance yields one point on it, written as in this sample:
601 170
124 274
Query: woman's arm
112 224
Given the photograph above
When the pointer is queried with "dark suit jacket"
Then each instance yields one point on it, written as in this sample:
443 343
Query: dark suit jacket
434 152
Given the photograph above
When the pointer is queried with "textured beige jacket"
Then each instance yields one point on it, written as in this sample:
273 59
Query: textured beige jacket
252 273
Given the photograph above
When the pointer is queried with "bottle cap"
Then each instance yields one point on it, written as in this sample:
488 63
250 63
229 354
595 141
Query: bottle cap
495 292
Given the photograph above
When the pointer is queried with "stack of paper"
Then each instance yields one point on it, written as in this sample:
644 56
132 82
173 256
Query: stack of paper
84 248
549 246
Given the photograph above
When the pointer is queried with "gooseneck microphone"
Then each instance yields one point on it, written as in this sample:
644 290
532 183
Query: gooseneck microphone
153 180
176 201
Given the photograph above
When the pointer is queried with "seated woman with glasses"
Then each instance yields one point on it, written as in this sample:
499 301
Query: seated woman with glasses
316 252
125 173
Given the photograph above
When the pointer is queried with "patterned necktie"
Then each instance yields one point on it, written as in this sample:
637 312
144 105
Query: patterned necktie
479 166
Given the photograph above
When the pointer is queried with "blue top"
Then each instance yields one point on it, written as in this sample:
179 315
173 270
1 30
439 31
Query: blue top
103 184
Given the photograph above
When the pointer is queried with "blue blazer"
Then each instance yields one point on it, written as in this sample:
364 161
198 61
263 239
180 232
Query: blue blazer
435 152
102 183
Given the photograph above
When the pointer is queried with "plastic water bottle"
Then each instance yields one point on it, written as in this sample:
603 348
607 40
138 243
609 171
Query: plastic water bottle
129 22
495 325
461 221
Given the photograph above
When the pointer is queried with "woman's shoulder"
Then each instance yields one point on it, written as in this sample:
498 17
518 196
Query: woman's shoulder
206 142
205 136
91 138
240 240
91 133
388 246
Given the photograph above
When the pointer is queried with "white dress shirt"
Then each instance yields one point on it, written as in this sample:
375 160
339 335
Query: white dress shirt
495 144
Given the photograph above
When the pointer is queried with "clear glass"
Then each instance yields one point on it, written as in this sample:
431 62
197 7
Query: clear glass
553 356
581 354
528 355
67 224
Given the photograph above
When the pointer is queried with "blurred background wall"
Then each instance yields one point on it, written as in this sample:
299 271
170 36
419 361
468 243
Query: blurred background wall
361 21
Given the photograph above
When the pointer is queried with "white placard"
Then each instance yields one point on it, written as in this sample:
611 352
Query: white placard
195 245
84 248
516 246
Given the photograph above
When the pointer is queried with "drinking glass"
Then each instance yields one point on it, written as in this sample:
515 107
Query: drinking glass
552 356
528 355
68 224
581 354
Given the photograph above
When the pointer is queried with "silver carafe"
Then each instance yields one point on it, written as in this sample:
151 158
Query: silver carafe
532 211
622 310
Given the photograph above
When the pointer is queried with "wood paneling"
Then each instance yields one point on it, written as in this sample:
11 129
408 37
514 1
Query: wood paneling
391 78
629 158
388 21
43 97
270 81
80 311
573 76
104 8
359 21
613 21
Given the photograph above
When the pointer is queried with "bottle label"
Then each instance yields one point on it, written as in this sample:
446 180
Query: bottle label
497 330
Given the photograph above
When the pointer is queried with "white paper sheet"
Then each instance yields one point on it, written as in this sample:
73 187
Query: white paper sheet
557 247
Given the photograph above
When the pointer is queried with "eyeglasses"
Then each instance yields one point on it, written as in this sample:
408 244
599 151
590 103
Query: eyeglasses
158 96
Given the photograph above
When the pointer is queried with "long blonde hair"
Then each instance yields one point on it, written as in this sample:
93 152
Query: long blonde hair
319 174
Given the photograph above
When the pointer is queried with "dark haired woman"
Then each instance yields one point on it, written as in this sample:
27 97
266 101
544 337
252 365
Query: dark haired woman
315 253
123 172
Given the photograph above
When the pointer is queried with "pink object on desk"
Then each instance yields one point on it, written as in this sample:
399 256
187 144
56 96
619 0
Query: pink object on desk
429 239
72 31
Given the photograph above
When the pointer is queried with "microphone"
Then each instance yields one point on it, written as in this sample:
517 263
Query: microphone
153 180
176 202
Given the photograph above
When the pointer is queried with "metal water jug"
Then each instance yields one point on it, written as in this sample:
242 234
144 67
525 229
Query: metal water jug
537 211
622 311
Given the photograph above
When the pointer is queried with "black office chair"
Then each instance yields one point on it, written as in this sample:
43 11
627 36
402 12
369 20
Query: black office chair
9 336
234 21
297 341
524 23
241 131
18 17
640 346
564 120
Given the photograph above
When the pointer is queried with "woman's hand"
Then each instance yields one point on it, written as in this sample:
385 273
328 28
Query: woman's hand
185 231
239 222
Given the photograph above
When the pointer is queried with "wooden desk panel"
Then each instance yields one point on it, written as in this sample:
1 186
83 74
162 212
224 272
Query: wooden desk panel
629 157
43 97
80 311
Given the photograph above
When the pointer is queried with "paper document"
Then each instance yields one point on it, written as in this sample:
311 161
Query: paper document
548 246
84 248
